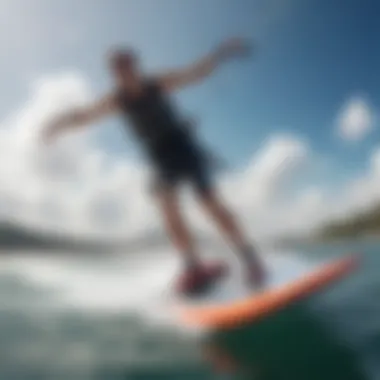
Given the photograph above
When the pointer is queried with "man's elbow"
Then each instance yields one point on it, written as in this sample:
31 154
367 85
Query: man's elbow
202 73
196 77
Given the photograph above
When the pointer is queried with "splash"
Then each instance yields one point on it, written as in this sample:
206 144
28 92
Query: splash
118 283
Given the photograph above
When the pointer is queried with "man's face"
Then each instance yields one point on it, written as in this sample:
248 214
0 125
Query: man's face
124 65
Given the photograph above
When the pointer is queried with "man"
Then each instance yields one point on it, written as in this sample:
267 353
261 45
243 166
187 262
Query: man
173 152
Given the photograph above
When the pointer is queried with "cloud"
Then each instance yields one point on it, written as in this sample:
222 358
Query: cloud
356 119
75 187
72 185
274 165
28 172
75 184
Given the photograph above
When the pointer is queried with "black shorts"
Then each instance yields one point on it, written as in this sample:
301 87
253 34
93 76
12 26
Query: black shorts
180 159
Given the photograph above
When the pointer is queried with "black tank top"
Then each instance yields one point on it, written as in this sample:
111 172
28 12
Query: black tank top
151 115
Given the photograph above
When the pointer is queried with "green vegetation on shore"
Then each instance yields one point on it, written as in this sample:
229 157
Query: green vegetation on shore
363 223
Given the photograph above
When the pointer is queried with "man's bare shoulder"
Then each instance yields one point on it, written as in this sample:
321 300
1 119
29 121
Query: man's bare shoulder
159 80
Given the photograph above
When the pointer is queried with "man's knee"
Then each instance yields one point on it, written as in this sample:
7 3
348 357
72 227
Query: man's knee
214 204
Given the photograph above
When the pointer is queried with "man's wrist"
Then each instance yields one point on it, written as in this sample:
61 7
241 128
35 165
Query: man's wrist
221 55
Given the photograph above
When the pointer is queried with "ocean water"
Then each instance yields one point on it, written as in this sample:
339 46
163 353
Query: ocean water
109 318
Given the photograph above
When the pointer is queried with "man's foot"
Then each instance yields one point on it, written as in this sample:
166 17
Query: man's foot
199 279
256 274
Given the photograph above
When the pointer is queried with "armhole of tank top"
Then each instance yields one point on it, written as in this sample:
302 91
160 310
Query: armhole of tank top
153 84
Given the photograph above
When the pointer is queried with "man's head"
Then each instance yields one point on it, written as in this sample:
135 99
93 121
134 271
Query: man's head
124 64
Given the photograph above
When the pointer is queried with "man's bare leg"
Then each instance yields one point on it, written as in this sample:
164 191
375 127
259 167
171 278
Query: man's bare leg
196 276
176 227
229 227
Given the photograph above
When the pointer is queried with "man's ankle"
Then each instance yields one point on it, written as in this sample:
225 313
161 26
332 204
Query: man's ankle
191 262
249 253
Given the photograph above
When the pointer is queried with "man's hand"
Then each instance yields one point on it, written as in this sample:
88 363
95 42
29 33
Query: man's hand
52 130
57 126
234 47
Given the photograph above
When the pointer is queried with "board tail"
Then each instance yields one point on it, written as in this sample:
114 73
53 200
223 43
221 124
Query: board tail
258 306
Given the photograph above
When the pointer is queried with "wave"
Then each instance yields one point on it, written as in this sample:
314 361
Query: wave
100 314
18 237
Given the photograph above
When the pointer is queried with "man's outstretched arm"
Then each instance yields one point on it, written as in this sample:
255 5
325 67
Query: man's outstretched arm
79 117
201 69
